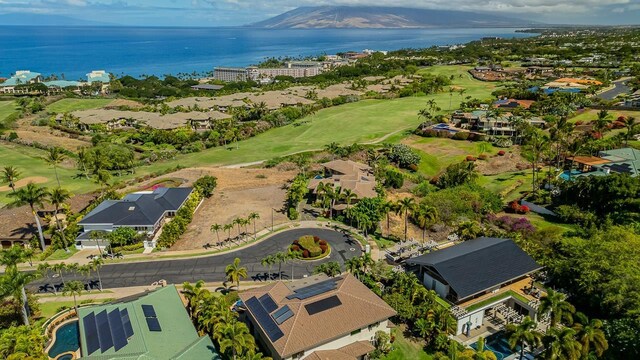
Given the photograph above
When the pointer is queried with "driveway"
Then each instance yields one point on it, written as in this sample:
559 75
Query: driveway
212 268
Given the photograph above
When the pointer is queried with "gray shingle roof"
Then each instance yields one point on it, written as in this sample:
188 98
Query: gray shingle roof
138 209
477 265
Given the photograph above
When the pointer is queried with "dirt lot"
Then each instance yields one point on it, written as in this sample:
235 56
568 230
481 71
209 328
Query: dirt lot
511 161
239 192
48 136
23 182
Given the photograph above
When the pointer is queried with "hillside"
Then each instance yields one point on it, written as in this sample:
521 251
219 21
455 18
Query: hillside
30 19
384 17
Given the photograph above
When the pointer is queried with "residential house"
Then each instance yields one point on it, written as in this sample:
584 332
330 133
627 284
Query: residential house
633 101
154 326
478 276
144 211
316 318
512 103
622 161
346 174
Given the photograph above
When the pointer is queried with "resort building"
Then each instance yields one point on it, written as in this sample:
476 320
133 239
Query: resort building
346 174
480 278
154 326
256 74
316 318
98 76
21 77
230 74
144 211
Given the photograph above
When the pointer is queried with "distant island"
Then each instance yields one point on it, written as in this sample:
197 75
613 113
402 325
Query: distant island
373 17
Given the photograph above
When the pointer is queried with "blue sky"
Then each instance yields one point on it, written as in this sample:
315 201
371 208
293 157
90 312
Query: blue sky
240 12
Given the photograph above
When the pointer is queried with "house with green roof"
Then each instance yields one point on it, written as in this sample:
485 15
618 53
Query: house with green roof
153 326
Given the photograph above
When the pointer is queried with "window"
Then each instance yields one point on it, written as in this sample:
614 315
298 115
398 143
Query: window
298 355
373 326
356 332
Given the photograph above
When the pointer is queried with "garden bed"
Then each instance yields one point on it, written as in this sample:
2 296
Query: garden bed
311 247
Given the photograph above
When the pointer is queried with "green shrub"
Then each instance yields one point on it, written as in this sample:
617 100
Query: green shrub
393 178
573 214
307 242
205 185
293 213
461 135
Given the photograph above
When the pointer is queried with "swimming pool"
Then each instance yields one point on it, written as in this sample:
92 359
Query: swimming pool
499 345
565 175
67 339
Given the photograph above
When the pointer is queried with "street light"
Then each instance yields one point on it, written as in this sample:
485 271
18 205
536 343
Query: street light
272 210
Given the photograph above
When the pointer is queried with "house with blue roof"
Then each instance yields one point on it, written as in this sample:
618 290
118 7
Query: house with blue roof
144 211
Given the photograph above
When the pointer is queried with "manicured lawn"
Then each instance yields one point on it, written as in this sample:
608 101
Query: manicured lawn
406 349
61 254
510 185
593 114
48 309
438 153
7 108
29 162
67 105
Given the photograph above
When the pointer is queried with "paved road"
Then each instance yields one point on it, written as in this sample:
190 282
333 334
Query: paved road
211 268
620 87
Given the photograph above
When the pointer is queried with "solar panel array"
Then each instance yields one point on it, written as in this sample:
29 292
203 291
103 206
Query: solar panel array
264 319
313 290
151 317
282 315
107 329
322 305
267 302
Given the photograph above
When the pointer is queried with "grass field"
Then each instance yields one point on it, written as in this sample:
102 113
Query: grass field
7 108
438 153
29 162
68 105
593 115
403 349
510 185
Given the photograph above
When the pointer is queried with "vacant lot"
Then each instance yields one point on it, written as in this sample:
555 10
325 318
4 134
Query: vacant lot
29 162
239 192
591 114
510 185
68 105
7 108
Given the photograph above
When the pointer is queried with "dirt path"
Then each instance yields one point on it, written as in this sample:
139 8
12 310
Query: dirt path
23 182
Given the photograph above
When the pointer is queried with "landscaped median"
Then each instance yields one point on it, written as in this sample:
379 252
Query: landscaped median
311 247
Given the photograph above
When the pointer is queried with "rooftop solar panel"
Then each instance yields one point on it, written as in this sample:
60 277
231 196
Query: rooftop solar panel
126 323
149 311
264 319
104 331
154 324
282 315
314 290
267 302
322 305
91 333
117 330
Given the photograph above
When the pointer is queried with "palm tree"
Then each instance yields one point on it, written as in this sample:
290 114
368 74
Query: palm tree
94 265
102 179
10 175
60 268
235 336
354 265
468 230
58 197
73 288
630 124
34 196
405 205
423 327
82 161
281 258
349 196
254 216
227 228
480 353
235 272
216 228
12 256
451 91
54 157
523 334
321 192
561 344
12 284
425 216
555 305
194 293
387 208
268 261
603 120
238 221
590 335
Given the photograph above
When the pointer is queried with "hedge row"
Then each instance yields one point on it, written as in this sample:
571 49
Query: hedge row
172 231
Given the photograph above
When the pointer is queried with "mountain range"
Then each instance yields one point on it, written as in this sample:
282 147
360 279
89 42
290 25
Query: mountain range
15 19
373 17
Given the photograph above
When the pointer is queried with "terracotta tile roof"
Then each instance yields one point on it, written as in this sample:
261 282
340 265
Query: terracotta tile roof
350 352
346 167
359 307
350 175
17 224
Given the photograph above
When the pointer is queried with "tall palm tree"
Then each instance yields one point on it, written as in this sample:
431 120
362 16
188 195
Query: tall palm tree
34 196
349 196
629 123
94 265
388 207
253 217
235 337
235 272
12 284
13 256
603 121
523 334
73 288
60 268
321 193
238 221
268 262
561 344
468 230
404 206
193 294
227 228
82 161
58 197
54 157
425 216
10 175
555 305
216 228
590 335
281 258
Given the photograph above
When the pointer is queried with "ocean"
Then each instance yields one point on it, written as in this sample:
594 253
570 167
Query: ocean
74 51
